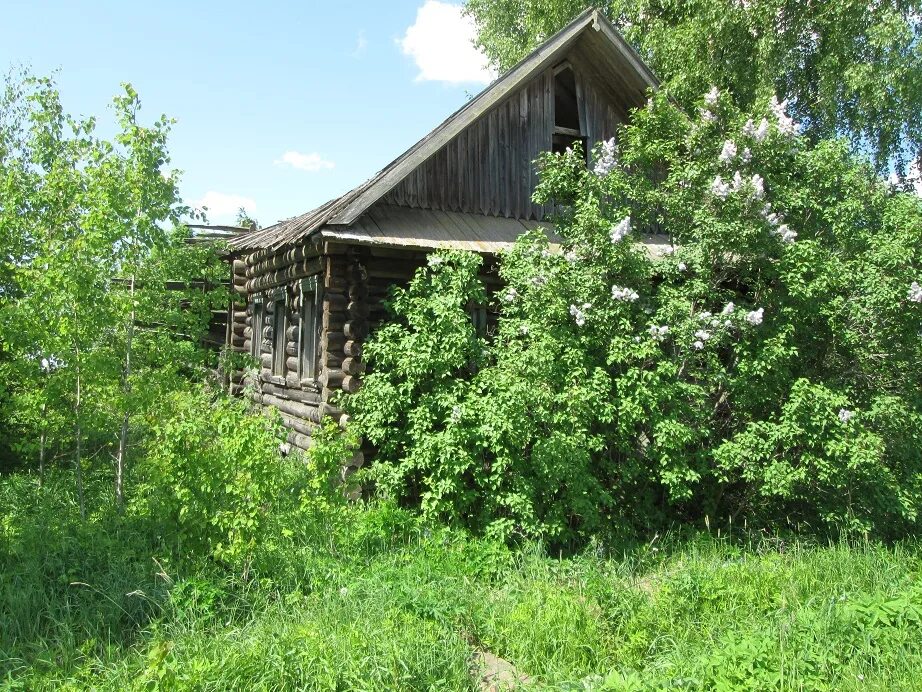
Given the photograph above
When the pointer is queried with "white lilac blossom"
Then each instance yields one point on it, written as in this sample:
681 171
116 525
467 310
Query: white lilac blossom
737 181
570 256
682 266
746 155
728 153
539 280
758 186
625 294
620 230
702 335
719 188
711 97
607 158
845 415
659 333
670 250
698 345
704 316
728 324
786 124
755 317
761 130
434 260
785 233
728 309
749 129
915 292
545 253
511 295
579 315
523 329
707 116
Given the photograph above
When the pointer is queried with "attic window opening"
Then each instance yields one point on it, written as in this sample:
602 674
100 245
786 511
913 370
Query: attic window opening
567 128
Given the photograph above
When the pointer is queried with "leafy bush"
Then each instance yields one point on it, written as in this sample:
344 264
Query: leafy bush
730 329
213 474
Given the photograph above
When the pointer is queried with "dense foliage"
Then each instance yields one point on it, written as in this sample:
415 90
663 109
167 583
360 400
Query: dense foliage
759 358
848 68
102 302
374 599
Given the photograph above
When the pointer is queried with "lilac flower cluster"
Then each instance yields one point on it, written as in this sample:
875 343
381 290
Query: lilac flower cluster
624 294
579 314
620 230
608 158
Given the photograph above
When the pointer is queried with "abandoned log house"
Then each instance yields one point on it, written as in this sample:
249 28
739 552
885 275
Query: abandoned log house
313 284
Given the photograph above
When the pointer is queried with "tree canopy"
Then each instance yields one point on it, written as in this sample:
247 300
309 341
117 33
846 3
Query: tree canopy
850 68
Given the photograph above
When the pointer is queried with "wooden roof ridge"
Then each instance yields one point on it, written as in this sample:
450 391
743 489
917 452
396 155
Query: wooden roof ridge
344 210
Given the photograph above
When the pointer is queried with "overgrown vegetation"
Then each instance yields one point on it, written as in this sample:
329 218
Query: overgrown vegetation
374 598
691 461
732 366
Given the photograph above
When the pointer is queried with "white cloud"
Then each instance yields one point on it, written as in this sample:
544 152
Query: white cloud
306 162
222 208
441 45
361 44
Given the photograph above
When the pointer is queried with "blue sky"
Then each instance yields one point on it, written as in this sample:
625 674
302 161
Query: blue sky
279 106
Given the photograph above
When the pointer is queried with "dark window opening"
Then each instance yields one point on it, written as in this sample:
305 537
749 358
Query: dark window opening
310 328
567 128
279 326
256 325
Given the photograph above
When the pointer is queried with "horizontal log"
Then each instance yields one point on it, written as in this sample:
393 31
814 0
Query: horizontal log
305 412
281 260
291 333
302 442
291 364
283 276
293 380
333 321
353 348
357 272
356 329
265 360
335 301
330 410
332 340
292 349
237 340
330 359
335 281
297 424
238 266
353 366
357 461
331 377
351 384
292 394
358 292
357 309
247 345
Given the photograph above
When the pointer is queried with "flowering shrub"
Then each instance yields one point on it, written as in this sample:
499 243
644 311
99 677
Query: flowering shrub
732 327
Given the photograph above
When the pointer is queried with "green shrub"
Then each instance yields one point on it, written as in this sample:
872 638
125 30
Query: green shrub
759 359
213 475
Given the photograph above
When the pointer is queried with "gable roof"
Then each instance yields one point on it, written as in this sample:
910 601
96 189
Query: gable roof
612 52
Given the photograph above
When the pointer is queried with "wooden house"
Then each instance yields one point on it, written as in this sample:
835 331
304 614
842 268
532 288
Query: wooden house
313 284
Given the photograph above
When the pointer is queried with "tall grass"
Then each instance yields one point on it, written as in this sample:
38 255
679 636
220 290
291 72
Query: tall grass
369 598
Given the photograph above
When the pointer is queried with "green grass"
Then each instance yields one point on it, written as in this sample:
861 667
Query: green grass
371 599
